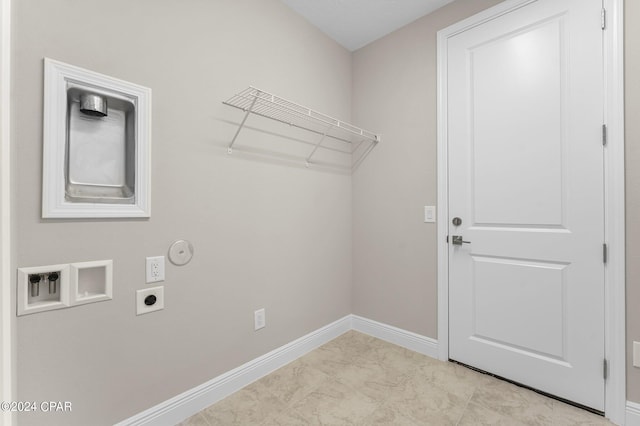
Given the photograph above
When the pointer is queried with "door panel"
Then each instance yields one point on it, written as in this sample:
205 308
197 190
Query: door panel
511 295
525 110
502 71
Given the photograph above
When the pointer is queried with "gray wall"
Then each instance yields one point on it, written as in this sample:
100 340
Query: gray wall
394 82
394 92
266 234
632 171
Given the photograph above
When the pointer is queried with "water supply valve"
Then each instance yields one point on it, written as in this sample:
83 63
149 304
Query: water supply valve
34 280
53 282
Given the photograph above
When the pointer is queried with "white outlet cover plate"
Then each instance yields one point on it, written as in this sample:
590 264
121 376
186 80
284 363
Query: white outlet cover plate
141 308
636 354
155 269
259 319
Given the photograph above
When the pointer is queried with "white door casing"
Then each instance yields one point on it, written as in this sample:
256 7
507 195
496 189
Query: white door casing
536 242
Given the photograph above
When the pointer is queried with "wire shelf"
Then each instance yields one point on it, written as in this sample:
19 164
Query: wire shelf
262 103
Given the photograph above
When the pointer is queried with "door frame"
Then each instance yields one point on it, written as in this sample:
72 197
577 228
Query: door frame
615 391
7 316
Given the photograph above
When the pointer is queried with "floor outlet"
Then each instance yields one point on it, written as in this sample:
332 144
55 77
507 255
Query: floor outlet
259 319
155 269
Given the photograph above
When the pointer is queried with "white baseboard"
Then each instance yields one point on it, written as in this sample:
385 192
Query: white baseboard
194 400
406 339
633 414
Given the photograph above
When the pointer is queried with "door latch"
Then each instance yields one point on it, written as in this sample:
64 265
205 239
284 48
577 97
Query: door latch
456 240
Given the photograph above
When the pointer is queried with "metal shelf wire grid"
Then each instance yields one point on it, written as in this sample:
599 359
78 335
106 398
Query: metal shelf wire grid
265 104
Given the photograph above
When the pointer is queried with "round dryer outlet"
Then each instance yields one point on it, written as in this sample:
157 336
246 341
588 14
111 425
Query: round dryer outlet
181 252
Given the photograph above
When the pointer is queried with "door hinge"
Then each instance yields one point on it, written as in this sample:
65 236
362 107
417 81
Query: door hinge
447 238
605 369
604 253
604 134
603 18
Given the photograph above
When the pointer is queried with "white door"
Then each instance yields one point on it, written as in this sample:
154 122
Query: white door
525 114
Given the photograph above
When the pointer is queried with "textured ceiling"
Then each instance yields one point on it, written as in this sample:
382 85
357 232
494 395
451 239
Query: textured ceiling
356 23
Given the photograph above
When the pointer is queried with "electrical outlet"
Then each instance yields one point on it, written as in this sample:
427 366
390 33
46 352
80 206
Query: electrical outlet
259 319
636 354
149 300
155 269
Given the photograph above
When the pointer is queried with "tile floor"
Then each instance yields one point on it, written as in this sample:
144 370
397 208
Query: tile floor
360 380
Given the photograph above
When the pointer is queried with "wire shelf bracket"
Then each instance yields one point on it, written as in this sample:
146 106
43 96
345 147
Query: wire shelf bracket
262 103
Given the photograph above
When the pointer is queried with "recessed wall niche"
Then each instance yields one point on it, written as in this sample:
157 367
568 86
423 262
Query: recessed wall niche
96 156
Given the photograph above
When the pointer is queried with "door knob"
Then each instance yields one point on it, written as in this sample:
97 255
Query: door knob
456 240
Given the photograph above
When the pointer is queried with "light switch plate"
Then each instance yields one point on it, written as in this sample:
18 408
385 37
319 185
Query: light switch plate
429 214
636 354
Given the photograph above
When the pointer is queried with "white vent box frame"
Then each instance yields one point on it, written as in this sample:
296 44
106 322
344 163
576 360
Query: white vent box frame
97 145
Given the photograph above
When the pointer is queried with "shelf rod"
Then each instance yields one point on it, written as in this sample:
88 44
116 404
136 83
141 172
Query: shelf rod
230 148
315 148
298 126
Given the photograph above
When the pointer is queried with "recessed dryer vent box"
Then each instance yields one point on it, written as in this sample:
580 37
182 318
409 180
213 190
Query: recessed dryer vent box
96 145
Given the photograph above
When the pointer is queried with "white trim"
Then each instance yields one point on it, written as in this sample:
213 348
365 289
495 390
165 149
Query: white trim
615 316
614 198
633 414
442 213
7 322
58 77
406 339
194 400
